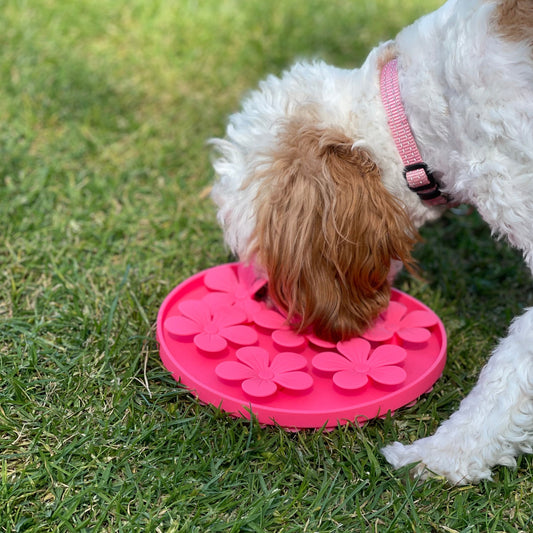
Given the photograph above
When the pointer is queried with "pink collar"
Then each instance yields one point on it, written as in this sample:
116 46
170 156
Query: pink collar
419 178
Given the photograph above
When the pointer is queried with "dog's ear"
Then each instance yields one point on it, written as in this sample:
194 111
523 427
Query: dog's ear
327 231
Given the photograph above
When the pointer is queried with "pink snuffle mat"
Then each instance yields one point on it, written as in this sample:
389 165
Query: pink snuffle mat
234 352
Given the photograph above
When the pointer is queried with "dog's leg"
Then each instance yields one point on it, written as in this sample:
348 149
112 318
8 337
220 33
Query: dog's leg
494 423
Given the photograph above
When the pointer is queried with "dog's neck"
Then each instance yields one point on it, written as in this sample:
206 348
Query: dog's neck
416 172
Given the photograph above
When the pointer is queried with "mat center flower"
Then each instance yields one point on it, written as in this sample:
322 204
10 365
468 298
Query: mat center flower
241 293
266 374
211 329
362 368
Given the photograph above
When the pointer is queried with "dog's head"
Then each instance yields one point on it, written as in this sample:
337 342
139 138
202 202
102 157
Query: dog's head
327 232
299 197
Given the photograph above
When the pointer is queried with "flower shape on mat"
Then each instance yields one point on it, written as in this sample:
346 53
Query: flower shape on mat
283 335
356 363
211 326
238 287
281 332
410 327
261 378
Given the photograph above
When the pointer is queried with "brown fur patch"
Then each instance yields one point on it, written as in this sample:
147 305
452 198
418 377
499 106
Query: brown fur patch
327 230
388 54
514 20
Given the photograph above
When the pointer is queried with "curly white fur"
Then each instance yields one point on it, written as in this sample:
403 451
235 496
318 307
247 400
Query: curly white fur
467 88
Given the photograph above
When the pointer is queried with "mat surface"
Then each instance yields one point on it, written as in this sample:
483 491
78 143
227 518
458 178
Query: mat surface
232 351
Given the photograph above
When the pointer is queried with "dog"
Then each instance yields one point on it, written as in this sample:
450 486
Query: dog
325 176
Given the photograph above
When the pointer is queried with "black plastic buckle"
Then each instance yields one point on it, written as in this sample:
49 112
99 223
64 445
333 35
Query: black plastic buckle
420 166
430 195
431 190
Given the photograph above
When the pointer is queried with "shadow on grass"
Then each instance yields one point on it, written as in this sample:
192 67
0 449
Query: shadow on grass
485 279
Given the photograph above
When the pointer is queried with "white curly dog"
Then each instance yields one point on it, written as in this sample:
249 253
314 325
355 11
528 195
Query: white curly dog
326 174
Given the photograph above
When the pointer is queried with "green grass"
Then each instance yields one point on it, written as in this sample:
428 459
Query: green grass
105 108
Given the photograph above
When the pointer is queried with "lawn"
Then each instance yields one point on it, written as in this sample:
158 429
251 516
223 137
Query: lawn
105 109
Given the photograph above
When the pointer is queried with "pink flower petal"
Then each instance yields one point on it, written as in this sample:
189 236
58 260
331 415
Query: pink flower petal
414 335
229 316
211 343
196 310
241 335
379 332
257 284
216 300
233 371
248 278
331 362
288 339
356 349
253 356
388 375
181 326
269 319
394 312
297 381
239 285
387 354
222 279
350 380
259 388
419 319
287 362
250 307
317 341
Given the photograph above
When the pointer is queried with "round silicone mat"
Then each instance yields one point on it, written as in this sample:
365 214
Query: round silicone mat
232 351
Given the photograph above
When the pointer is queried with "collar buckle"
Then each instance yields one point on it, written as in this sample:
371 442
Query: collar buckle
422 181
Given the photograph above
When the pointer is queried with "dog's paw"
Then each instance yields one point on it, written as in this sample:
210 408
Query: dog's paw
429 459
